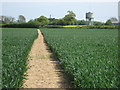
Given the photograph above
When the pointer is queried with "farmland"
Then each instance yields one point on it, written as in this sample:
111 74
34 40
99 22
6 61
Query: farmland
88 56
16 46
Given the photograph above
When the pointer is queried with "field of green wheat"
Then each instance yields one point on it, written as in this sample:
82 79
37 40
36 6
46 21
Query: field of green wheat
15 48
88 56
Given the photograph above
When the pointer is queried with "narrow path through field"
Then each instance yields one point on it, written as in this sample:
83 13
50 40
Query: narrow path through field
44 70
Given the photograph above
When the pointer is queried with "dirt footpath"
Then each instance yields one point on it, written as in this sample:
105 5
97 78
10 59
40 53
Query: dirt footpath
44 70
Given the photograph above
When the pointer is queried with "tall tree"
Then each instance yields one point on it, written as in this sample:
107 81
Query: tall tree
34 23
108 22
21 19
70 18
61 22
43 21
7 19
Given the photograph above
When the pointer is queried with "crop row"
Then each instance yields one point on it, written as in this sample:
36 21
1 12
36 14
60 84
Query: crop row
15 49
89 57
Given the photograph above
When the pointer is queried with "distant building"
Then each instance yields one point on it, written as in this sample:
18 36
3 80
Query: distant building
51 19
114 21
89 18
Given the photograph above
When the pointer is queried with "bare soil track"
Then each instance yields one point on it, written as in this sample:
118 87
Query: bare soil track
44 71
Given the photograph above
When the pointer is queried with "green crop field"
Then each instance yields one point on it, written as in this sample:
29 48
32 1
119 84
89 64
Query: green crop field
88 57
16 45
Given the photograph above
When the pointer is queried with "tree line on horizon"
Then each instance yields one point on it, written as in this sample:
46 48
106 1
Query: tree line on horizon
68 19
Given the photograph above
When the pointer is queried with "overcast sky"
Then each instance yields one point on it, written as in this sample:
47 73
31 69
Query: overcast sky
59 0
31 9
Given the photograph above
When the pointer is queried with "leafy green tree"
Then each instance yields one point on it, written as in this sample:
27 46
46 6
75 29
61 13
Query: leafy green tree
53 22
21 19
34 23
6 19
108 22
61 22
70 18
43 21
81 22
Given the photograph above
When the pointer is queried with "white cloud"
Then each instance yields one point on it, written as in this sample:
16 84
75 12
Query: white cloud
59 0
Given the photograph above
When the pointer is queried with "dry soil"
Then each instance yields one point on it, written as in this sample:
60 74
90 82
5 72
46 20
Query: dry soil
44 71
